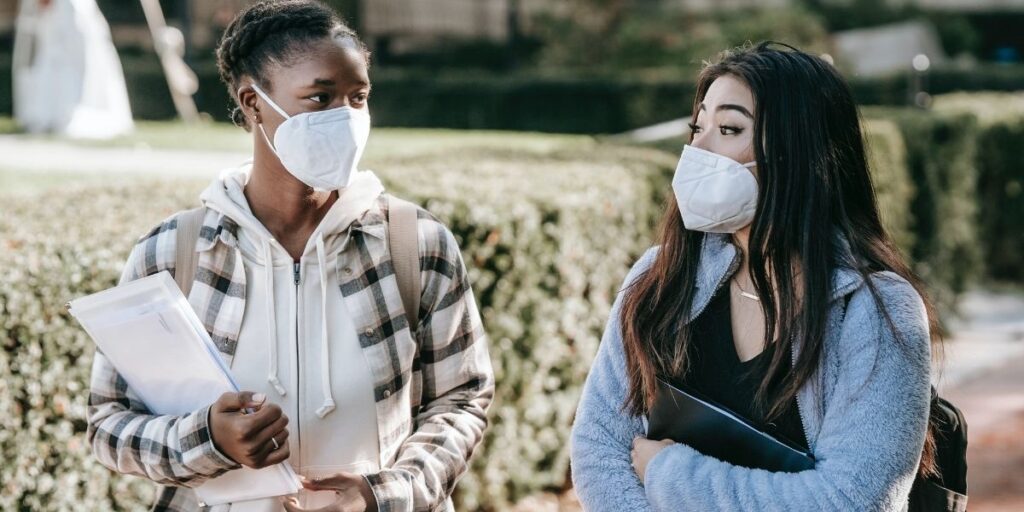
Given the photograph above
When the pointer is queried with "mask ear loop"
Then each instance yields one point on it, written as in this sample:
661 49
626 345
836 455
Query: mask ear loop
270 101
275 107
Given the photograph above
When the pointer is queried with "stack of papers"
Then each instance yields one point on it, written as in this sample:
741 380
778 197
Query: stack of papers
149 332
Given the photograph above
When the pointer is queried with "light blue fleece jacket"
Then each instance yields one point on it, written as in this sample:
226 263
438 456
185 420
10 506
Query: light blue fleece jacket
864 412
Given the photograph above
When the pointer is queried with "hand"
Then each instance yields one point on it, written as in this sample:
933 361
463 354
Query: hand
352 492
254 440
644 451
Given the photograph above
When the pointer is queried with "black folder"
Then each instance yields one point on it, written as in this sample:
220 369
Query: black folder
713 430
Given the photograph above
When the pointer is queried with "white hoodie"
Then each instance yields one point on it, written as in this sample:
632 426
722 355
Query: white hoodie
298 344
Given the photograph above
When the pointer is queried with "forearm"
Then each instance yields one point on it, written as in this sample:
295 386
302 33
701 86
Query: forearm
167 449
437 453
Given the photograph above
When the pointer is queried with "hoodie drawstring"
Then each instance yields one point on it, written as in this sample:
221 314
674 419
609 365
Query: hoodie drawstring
268 259
325 359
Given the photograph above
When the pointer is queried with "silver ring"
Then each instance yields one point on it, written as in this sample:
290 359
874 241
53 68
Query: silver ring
276 446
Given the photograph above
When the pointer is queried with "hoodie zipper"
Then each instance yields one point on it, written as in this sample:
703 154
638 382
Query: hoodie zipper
297 274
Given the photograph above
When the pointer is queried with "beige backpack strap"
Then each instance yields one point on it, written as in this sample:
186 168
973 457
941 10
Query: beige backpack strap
186 259
403 239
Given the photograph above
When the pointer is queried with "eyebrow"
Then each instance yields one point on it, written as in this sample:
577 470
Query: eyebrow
326 82
730 106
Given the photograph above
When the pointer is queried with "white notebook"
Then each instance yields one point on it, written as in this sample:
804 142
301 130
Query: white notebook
149 332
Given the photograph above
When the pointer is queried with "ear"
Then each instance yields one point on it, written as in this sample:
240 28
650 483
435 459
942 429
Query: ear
248 101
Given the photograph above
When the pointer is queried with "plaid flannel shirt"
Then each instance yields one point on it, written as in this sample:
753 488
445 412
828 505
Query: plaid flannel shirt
432 390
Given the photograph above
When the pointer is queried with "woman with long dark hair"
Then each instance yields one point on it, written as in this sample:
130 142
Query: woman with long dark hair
775 291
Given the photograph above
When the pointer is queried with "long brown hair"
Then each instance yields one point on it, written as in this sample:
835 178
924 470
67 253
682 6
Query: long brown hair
813 181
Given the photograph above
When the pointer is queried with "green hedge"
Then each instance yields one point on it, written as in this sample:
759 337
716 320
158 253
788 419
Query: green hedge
894 89
545 262
524 100
894 188
6 89
941 149
1000 177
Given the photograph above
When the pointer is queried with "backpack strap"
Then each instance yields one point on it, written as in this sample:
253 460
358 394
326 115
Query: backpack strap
186 259
403 240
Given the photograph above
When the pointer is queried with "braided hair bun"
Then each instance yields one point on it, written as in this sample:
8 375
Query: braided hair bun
274 31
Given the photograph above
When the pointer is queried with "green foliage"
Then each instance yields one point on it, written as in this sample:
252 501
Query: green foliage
1000 177
69 244
559 101
941 150
583 36
6 78
548 232
893 187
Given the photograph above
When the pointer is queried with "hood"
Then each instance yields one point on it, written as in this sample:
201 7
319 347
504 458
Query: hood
226 196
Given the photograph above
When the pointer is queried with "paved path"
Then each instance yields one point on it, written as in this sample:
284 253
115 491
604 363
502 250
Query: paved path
985 378
27 154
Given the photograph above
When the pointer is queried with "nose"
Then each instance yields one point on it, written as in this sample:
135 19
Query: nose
700 141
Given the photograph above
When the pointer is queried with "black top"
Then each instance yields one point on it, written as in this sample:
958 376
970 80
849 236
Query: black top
717 374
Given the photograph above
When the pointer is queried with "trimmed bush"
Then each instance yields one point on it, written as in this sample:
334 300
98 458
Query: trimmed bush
893 187
6 97
548 235
941 149
1000 177
527 100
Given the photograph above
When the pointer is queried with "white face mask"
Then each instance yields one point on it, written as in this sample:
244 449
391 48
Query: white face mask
716 194
321 149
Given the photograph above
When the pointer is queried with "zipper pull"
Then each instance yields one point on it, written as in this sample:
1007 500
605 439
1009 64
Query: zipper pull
297 271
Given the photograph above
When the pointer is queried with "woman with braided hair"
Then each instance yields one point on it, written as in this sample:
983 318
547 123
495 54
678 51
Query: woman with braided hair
375 400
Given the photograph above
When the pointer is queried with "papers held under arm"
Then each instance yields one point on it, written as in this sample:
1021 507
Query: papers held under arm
149 332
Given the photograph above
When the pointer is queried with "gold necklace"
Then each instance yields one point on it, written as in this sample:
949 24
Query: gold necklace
744 293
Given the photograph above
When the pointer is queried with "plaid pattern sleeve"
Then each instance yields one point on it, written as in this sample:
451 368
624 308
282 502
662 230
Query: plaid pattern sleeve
125 436
455 378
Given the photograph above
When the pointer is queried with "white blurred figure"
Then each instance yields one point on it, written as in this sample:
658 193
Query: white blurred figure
68 78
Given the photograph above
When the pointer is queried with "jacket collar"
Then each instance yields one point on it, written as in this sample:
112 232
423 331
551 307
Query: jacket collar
719 260
218 227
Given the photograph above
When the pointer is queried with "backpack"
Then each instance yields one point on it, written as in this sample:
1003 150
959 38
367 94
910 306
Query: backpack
947 491
403 243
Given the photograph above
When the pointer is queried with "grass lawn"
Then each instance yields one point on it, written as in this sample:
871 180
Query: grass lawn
211 136
387 146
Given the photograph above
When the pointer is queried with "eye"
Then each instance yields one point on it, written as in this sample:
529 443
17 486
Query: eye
730 130
361 97
694 128
320 97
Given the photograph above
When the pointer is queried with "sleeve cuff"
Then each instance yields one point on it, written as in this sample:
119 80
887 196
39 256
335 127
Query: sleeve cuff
392 490
653 478
197 448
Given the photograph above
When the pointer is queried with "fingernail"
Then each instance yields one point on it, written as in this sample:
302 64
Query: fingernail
259 397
